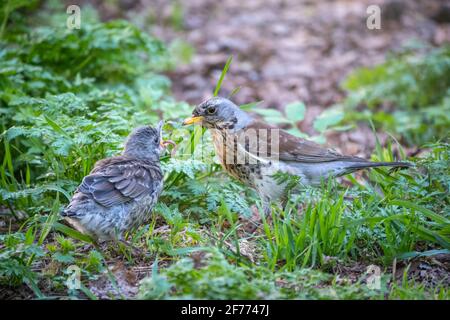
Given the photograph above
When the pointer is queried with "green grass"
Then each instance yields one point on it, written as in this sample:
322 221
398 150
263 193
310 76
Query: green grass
409 94
56 122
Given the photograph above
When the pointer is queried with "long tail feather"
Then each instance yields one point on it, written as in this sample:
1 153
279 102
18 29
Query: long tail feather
363 165
369 164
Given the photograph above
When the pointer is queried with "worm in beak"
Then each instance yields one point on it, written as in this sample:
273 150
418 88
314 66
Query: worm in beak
164 144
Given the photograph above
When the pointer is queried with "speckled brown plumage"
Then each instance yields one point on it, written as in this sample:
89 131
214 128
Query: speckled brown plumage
273 150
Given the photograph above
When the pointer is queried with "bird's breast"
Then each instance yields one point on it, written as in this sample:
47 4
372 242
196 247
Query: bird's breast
232 158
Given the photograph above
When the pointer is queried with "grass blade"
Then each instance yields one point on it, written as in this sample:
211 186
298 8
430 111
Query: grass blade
222 76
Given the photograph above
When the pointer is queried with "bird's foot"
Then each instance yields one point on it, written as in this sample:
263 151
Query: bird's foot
135 252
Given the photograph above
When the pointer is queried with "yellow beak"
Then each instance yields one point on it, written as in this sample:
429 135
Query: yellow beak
192 120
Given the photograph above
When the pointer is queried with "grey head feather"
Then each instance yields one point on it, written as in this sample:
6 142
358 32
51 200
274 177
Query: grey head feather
222 113
144 143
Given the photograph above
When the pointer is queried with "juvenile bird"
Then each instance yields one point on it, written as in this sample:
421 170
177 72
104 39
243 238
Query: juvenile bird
120 191
253 151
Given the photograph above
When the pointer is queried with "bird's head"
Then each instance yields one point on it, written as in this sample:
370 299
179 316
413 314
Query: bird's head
218 113
146 142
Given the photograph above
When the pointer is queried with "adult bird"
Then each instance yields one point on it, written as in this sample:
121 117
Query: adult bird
120 192
253 151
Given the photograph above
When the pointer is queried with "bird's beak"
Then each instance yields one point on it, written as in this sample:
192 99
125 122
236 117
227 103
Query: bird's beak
192 120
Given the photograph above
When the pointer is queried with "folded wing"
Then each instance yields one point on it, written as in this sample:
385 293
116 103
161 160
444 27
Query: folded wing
292 148
121 181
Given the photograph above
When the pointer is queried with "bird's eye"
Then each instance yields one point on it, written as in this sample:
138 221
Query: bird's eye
211 110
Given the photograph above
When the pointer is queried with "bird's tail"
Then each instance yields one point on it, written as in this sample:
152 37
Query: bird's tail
363 165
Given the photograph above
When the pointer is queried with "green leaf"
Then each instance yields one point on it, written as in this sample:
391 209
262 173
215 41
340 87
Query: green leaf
63 258
328 118
295 111
428 253
72 232
430 214
56 127
272 115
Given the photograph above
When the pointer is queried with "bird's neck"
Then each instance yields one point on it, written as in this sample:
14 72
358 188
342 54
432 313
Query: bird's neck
141 155
243 120
239 121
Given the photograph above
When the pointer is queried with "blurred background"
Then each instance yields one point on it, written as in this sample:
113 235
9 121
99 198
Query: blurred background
287 51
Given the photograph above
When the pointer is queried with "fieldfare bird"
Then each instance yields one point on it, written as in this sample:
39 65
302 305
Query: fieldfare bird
254 152
120 191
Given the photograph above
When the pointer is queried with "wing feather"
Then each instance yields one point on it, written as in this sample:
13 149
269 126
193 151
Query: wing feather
292 148
119 180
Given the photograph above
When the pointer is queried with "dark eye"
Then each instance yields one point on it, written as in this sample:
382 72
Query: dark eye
211 110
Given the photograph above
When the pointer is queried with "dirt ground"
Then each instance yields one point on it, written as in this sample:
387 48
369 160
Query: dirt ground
290 50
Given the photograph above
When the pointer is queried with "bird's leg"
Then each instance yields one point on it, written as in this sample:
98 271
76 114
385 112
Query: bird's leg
260 215
267 209
284 203
117 238
254 222
97 246
135 251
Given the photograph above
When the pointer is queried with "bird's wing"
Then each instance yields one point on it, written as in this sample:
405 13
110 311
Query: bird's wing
292 148
116 181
